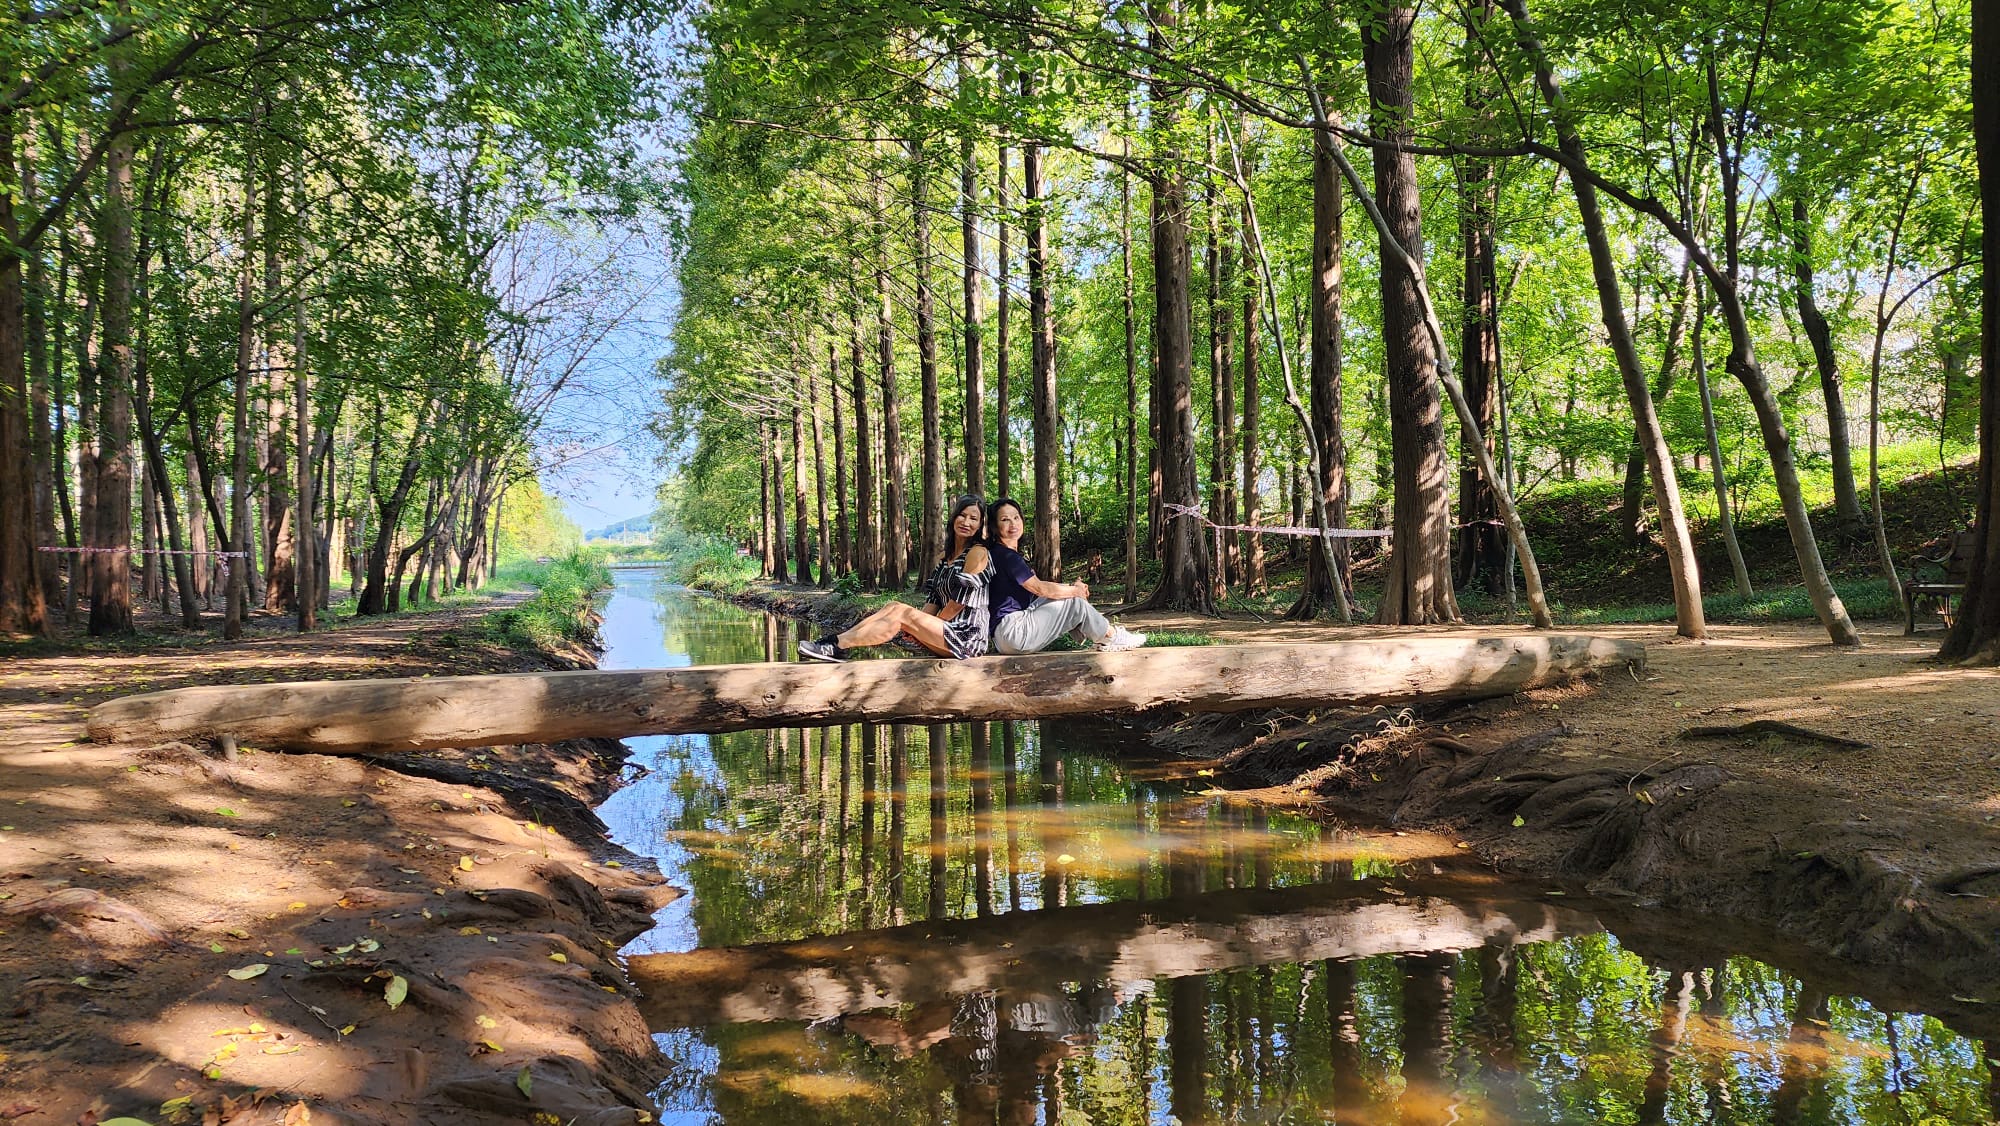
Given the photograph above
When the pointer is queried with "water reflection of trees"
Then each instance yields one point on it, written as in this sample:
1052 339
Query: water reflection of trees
814 833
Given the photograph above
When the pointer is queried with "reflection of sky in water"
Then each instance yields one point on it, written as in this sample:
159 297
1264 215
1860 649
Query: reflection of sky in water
829 841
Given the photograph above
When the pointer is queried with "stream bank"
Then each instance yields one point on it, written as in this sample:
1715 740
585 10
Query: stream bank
436 933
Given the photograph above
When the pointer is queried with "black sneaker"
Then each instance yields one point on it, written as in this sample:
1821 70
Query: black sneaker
825 649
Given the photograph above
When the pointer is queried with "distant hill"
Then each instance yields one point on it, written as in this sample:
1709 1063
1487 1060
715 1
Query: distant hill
637 529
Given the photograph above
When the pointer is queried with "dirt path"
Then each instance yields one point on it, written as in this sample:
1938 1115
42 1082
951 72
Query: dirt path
134 879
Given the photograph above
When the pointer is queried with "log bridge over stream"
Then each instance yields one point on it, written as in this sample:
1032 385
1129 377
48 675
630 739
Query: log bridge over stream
401 714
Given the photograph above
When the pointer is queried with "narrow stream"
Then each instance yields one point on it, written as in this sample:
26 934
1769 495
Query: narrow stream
1023 922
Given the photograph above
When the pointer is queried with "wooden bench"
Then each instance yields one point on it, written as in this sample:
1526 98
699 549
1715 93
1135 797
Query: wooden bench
1953 559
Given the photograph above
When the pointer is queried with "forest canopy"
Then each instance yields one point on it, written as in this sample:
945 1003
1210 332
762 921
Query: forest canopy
1721 259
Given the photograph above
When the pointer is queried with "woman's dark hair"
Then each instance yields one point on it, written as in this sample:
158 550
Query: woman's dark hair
967 500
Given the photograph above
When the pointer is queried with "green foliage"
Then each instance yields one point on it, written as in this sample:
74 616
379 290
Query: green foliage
559 615
703 561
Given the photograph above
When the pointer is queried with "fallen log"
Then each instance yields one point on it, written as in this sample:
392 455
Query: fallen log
1112 944
350 716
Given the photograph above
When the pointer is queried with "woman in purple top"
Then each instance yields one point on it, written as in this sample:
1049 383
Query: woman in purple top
1029 612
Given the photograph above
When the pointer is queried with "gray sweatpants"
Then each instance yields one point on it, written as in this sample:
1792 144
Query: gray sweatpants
1037 627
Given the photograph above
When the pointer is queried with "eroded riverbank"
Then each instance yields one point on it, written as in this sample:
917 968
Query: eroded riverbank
141 887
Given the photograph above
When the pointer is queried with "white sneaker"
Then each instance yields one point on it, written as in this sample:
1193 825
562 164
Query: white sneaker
1120 639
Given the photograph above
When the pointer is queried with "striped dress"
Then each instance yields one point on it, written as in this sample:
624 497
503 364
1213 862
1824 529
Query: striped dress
969 633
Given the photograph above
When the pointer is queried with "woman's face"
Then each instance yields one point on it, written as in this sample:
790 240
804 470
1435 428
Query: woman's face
967 523
1008 525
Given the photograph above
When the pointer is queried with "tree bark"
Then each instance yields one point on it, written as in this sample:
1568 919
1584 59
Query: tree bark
1184 560
767 556
1726 523
1326 290
811 380
1975 635
867 529
1482 553
1846 503
801 552
1417 587
931 543
972 364
1631 504
23 602
1684 571
46 453
1131 386
1253 412
111 524
895 463
1042 355
360 716
1003 434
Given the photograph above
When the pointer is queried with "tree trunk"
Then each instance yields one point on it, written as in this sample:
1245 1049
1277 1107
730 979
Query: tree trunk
1975 635
1183 557
868 528
111 525
1631 503
895 463
843 548
801 552
1417 586
1253 408
307 539
186 567
45 452
1725 522
974 313
1683 569
1846 503
819 479
1042 353
365 716
23 603
280 534
1326 292
1482 542
1131 387
1220 356
931 544
1003 434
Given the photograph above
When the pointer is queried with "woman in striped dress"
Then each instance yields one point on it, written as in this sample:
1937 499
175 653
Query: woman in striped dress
953 621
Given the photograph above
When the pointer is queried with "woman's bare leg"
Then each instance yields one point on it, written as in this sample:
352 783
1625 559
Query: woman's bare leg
883 625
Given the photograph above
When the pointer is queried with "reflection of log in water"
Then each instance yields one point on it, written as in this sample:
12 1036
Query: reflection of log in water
1110 943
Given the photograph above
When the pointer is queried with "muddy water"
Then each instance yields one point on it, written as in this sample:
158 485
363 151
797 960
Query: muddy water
1033 923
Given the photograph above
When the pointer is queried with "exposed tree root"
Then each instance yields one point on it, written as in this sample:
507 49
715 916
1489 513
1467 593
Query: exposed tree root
1773 727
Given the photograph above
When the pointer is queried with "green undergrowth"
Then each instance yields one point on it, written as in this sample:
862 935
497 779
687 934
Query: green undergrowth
704 562
559 614
1864 598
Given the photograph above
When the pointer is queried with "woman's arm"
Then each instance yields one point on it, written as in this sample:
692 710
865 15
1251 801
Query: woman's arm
1045 589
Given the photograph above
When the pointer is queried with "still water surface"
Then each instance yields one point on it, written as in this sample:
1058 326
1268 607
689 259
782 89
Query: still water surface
1033 923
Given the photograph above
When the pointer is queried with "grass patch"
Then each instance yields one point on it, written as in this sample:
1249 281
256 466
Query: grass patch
1864 598
705 562
559 614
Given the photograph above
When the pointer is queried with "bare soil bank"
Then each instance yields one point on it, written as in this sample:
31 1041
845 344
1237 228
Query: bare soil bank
1885 856
134 879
